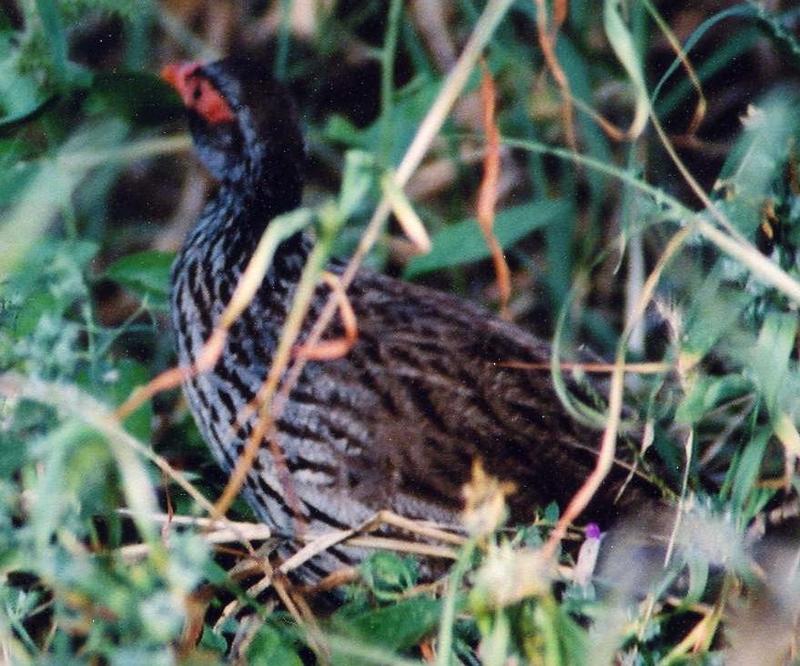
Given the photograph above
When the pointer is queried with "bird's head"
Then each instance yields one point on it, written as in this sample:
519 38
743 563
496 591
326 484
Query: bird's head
244 125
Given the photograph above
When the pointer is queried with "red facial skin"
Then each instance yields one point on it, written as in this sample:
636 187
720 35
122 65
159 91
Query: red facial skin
197 92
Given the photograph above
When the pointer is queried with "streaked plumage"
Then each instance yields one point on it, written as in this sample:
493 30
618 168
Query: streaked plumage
396 423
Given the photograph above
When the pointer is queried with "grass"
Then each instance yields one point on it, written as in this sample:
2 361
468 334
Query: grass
595 180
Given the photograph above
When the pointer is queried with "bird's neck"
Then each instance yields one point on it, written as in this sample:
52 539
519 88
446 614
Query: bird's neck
272 183
263 183
237 216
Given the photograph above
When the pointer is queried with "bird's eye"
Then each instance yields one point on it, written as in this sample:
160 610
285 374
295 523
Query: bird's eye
197 93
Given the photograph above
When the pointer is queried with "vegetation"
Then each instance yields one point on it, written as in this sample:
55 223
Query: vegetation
648 203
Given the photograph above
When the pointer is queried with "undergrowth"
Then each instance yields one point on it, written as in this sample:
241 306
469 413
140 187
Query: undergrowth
694 280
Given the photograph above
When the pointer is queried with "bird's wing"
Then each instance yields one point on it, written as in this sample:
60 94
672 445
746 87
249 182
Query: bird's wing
441 393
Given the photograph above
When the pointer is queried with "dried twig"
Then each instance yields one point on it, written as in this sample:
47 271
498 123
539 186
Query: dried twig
487 196
547 42
327 350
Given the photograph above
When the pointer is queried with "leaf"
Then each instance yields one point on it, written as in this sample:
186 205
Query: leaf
388 575
146 274
116 385
625 49
33 309
20 94
706 393
396 627
49 503
411 104
758 157
770 357
463 242
358 179
48 191
744 11
272 647
54 32
13 454
748 467
698 578
28 113
342 130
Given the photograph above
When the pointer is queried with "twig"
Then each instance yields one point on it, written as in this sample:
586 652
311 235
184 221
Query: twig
688 450
327 350
487 194
646 368
547 42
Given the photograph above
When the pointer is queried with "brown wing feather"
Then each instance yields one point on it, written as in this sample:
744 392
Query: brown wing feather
444 398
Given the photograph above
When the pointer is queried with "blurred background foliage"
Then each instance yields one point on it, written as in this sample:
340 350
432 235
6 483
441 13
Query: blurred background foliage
98 188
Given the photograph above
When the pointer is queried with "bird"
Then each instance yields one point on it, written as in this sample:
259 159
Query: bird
428 388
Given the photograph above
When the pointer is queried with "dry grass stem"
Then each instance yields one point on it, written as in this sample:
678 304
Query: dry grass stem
316 544
688 448
547 35
487 194
418 527
404 213
675 45
645 368
215 531
328 350
402 546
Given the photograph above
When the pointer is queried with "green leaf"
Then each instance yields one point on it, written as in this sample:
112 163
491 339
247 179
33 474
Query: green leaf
770 357
698 578
272 647
56 39
342 130
712 313
49 505
67 73
411 104
13 453
122 380
33 309
211 640
396 627
758 157
146 274
551 513
743 11
49 189
463 242
20 94
706 393
359 178
627 53
748 468
388 575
